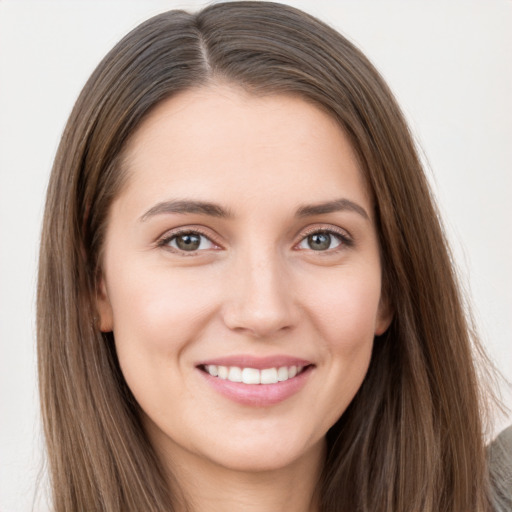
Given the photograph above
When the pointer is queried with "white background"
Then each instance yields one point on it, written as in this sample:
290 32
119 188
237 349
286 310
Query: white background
448 62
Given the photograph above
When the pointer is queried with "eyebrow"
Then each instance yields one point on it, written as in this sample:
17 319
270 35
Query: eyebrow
338 205
185 206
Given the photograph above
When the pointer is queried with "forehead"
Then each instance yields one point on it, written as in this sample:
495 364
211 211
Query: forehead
220 140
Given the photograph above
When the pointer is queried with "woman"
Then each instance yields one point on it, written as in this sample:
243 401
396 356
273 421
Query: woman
256 304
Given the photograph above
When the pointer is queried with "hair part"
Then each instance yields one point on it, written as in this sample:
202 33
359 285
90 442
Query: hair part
412 437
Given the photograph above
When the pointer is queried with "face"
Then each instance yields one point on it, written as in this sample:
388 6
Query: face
241 277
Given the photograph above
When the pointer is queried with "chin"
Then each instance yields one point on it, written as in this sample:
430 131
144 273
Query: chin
266 454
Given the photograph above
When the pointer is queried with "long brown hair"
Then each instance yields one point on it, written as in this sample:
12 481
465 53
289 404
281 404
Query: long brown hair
411 440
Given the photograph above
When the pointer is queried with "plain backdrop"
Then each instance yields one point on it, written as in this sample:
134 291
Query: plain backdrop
448 63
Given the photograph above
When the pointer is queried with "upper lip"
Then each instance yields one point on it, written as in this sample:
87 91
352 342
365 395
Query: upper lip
258 363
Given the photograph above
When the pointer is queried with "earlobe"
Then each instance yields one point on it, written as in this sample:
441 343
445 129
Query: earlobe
384 317
106 321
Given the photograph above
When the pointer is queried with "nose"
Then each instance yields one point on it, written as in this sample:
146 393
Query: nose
261 301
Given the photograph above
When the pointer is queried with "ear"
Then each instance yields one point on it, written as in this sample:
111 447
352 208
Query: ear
385 315
103 306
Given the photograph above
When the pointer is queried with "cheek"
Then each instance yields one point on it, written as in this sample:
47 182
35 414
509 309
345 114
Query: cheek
345 308
158 314
156 311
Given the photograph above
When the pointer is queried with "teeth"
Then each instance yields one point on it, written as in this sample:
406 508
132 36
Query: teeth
235 374
282 373
252 375
222 372
269 376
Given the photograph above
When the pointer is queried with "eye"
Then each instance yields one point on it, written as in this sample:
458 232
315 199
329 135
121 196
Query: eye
323 240
188 241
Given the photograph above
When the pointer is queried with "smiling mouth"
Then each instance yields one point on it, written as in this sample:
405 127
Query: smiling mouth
254 376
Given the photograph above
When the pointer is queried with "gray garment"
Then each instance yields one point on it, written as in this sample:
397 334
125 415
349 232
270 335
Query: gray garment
500 457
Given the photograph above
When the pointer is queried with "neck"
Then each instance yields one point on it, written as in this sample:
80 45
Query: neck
207 487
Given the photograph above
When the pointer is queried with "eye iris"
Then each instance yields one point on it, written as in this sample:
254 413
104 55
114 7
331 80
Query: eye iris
188 242
319 241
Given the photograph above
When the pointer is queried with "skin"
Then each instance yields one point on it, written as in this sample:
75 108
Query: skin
255 286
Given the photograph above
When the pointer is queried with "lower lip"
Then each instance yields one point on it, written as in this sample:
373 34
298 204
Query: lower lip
258 395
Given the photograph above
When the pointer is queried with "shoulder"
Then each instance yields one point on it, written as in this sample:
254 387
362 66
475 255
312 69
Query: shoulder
500 467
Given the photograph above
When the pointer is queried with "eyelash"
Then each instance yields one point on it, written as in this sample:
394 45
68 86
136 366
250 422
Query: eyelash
169 237
344 239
